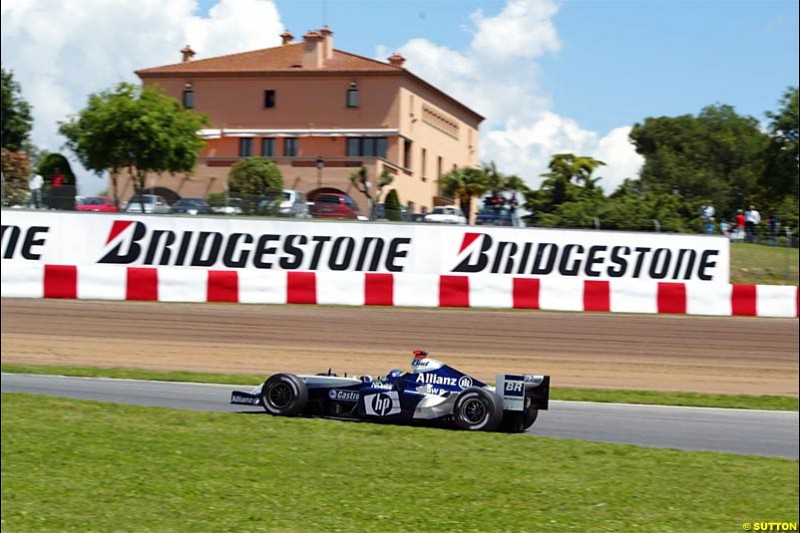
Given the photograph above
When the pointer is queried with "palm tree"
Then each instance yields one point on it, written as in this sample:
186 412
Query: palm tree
465 183
569 166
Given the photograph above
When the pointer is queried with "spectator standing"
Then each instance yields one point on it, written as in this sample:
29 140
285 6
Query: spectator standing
774 226
58 179
35 186
708 217
57 197
752 219
739 231
723 227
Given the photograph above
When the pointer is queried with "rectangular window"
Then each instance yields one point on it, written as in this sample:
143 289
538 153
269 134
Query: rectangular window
407 153
267 147
424 162
290 147
380 147
188 99
269 99
352 98
353 147
366 147
439 167
245 147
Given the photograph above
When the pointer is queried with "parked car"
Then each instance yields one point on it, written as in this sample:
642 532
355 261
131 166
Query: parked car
334 205
102 204
232 207
446 214
497 216
380 213
191 206
289 203
153 203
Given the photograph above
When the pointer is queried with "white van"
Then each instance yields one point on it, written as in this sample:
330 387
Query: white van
293 204
153 203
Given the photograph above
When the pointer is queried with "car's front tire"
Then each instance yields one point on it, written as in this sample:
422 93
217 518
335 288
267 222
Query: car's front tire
477 409
284 395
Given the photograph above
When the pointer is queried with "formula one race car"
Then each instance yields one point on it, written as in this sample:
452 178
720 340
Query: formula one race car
431 393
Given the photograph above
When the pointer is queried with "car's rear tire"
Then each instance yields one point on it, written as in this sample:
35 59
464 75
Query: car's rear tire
284 395
520 421
477 409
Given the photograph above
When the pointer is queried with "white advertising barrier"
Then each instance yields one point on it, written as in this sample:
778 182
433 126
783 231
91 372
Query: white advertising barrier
181 259
270 245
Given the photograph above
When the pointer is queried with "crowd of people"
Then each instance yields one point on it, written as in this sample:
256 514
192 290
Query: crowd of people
743 228
36 184
497 201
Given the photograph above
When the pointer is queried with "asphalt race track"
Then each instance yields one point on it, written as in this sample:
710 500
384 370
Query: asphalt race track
748 432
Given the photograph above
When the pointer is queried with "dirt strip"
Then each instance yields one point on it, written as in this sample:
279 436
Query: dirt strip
702 354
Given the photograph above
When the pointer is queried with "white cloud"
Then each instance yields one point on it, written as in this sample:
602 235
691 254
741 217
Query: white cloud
63 50
522 29
622 161
498 76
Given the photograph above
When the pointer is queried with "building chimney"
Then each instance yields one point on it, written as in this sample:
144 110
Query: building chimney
396 60
327 34
188 53
286 38
313 53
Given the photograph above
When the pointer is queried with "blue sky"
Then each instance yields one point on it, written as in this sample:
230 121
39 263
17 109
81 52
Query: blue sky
550 76
621 61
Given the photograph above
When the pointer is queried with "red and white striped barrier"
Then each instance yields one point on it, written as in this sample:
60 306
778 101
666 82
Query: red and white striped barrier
170 284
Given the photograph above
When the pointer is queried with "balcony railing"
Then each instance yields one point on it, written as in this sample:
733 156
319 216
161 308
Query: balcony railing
311 162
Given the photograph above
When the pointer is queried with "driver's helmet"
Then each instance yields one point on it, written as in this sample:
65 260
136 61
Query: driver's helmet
393 376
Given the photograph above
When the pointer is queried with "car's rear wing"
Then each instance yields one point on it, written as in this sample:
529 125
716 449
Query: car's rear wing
513 388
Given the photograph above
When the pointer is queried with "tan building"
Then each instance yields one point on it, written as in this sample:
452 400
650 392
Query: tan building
306 105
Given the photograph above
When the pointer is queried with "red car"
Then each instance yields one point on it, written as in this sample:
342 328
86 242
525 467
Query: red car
104 204
334 205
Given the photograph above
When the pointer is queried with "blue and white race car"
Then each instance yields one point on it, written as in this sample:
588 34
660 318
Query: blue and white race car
431 393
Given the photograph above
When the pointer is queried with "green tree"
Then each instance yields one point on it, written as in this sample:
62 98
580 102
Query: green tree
253 179
783 170
465 184
16 113
392 206
499 182
628 209
135 129
360 181
16 169
255 176
569 195
718 155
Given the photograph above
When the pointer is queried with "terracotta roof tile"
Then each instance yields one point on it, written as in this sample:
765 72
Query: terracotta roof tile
287 58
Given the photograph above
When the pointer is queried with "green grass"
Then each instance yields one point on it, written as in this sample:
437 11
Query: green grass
774 403
692 399
70 465
765 265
